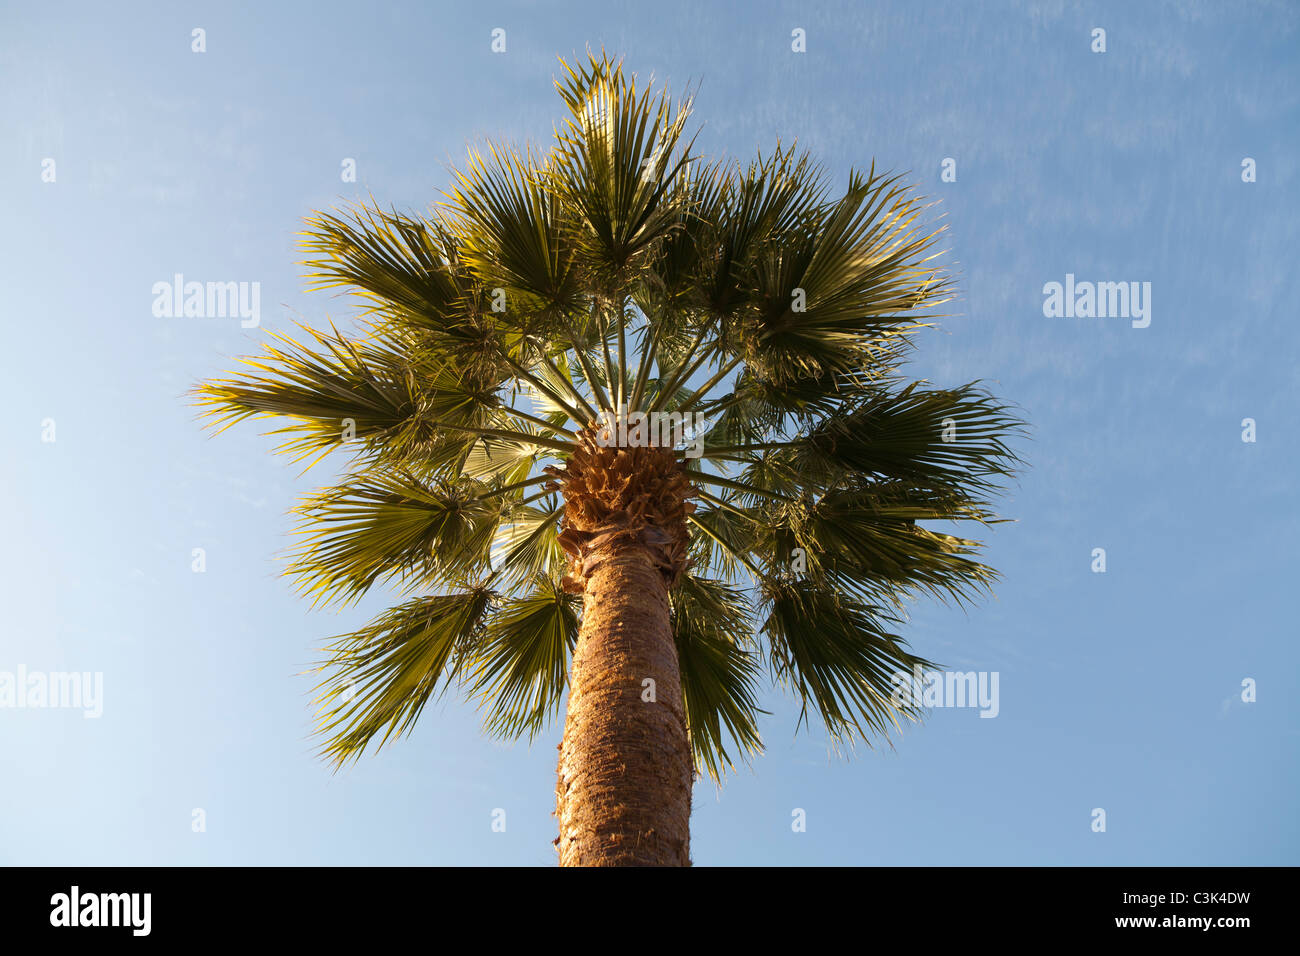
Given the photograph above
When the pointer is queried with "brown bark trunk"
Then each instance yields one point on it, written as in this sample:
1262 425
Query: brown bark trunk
623 797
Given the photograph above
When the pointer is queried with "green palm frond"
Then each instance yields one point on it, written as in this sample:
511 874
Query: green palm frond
775 196
669 287
618 161
393 527
834 652
945 438
381 677
521 673
714 632
341 389
397 265
508 460
516 237
724 536
841 284
868 541
528 545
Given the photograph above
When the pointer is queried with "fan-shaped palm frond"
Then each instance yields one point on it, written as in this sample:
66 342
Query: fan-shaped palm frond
713 630
380 677
521 666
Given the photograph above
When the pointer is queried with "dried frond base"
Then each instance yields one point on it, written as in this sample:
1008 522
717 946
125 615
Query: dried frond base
616 496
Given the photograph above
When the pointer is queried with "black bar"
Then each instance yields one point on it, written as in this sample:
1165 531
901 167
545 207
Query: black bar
333 905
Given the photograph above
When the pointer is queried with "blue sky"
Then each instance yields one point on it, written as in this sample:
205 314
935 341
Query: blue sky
1118 690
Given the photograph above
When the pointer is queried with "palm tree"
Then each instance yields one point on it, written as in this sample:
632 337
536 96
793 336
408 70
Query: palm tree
628 423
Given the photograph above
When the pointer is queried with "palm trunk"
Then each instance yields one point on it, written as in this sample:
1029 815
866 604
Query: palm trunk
623 797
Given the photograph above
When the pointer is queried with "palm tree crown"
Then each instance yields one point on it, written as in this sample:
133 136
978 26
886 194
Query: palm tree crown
510 334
